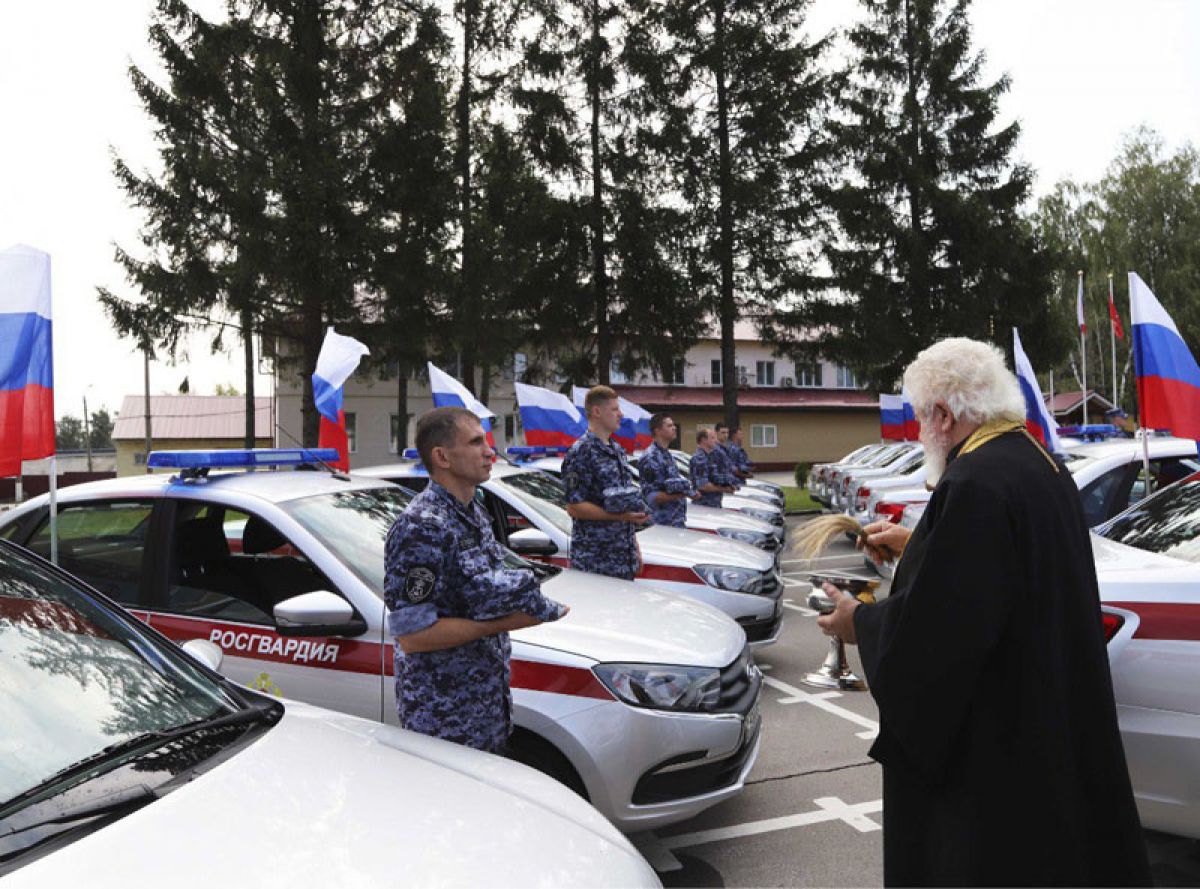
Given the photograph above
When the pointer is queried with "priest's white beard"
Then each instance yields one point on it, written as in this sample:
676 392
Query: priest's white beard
937 449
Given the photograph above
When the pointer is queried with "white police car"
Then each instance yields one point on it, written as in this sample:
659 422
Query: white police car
753 490
646 702
125 763
529 510
710 519
1148 566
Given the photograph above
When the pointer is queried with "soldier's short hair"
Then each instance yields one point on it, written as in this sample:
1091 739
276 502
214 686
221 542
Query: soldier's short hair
701 433
438 428
720 426
597 395
656 421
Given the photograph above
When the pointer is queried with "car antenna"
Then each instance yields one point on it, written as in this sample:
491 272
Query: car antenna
333 470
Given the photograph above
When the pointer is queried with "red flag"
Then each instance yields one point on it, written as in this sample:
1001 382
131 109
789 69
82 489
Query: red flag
1112 312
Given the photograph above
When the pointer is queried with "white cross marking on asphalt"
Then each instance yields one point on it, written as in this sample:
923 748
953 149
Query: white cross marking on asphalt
831 809
819 700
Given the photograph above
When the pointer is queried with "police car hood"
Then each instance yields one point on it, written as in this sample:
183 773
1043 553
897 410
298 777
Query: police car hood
712 518
738 501
680 547
324 799
618 620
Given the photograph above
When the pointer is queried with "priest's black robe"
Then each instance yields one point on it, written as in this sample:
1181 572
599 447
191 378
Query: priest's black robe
1002 761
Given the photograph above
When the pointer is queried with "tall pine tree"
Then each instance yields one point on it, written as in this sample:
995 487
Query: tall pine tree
932 242
734 100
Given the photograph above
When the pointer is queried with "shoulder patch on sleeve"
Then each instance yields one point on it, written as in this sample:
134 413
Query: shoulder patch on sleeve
418 584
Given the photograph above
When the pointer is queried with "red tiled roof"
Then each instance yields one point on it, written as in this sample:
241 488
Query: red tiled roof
665 397
191 416
1065 402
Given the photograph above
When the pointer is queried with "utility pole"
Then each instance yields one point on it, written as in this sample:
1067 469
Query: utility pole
87 435
146 356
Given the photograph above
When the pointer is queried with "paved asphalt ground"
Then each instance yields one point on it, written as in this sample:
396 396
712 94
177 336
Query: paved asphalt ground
810 813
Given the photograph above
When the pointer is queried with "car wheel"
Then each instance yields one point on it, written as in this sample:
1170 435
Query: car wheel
536 752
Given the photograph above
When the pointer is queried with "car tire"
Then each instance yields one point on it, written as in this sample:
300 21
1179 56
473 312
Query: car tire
536 752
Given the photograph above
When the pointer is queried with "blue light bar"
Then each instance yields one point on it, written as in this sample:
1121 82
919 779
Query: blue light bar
411 454
1092 431
528 452
240 459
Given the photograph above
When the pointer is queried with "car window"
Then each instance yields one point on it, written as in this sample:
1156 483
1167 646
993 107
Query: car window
101 543
78 678
354 526
1167 522
1102 495
230 565
543 494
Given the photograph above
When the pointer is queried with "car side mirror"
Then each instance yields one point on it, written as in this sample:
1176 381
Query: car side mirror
317 614
207 653
531 542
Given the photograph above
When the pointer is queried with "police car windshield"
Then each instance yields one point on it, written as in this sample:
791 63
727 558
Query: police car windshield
80 680
543 494
1167 523
353 525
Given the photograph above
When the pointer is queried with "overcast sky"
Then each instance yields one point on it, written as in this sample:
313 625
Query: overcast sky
1084 72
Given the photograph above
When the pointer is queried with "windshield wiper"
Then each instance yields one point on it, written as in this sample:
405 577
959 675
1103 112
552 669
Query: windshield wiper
126 797
148 740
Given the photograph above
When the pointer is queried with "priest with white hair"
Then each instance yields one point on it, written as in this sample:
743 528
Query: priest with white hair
1002 760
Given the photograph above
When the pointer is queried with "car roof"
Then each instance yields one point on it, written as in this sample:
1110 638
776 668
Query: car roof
271 486
413 469
1159 446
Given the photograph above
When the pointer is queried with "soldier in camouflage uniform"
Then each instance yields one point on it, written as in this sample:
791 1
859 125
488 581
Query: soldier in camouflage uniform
451 600
723 456
663 485
708 476
604 502
741 460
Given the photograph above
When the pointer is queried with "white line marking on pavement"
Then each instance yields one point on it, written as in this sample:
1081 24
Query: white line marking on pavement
831 809
820 701
807 612
788 581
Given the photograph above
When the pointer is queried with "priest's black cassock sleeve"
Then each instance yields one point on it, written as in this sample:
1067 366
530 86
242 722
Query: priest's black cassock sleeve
1001 756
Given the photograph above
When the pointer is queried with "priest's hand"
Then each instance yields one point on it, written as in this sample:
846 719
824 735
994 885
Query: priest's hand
840 621
884 541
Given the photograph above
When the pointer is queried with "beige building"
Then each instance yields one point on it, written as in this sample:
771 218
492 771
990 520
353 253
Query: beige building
790 414
186 422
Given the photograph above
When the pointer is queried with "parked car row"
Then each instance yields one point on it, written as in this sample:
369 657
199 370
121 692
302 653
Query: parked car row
643 701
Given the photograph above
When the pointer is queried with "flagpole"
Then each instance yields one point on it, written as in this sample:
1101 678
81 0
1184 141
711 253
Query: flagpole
1083 347
1112 334
54 508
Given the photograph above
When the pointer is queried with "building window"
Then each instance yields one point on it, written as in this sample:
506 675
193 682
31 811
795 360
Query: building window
674 375
512 427
809 375
352 432
763 436
394 430
715 371
764 373
845 378
516 370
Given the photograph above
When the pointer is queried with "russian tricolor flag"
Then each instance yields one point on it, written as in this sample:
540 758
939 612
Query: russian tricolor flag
449 392
338 359
26 359
912 427
1037 418
548 417
891 417
1168 379
634 431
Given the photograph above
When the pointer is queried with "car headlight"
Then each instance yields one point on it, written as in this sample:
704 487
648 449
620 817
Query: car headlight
763 515
729 577
663 687
745 535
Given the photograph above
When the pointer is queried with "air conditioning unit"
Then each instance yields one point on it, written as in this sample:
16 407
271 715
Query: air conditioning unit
787 383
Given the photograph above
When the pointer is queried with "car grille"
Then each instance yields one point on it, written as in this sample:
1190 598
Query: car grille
760 629
740 683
